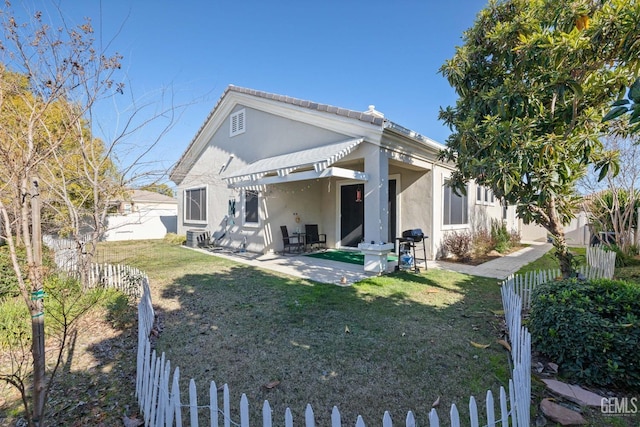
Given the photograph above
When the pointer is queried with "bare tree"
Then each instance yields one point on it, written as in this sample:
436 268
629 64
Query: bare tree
52 77
612 203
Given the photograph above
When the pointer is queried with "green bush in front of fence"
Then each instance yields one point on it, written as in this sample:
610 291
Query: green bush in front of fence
8 279
591 329
64 303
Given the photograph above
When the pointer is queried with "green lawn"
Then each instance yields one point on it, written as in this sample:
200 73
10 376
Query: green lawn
396 342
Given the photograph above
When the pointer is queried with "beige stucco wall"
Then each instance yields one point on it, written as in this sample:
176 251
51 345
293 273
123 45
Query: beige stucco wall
419 182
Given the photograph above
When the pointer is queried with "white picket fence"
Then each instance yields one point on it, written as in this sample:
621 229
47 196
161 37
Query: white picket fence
160 399
600 265
125 278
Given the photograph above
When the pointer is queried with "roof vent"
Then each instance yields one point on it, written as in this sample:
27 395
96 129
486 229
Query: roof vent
372 111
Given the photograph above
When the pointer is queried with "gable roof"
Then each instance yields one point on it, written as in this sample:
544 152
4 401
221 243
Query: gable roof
369 117
144 196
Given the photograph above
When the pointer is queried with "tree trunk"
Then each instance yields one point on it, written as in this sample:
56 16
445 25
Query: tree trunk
556 228
565 258
37 310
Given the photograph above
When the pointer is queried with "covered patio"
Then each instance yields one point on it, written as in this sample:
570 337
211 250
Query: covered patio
350 189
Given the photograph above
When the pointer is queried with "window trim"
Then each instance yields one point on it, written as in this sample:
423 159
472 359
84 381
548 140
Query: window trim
245 223
484 196
206 205
446 226
239 117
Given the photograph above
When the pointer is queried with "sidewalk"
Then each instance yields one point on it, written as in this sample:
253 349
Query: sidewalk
500 268
325 271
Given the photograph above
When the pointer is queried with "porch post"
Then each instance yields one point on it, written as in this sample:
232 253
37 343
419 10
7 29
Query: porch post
376 196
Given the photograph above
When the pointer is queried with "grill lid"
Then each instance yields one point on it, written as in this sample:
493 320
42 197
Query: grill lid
415 234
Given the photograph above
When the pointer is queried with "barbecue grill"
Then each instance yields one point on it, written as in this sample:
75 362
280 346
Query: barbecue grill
415 235
406 249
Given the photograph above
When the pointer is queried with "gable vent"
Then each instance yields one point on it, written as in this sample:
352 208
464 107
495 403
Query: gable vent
237 123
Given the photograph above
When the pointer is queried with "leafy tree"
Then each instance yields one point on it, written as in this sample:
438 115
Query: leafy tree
630 105
160 188
533 78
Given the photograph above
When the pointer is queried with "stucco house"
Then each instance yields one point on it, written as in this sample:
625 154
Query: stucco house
261 161
141 215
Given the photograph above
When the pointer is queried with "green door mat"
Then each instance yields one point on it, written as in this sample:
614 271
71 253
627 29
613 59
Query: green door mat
350 257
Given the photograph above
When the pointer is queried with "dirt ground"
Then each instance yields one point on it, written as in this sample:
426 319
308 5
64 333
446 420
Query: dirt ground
94 386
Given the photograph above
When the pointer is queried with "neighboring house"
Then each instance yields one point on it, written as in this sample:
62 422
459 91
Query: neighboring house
576 233
261 161
141 215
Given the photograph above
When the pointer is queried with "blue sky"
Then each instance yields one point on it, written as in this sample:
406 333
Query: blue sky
347 53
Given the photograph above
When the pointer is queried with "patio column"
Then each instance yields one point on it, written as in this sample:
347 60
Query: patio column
376 195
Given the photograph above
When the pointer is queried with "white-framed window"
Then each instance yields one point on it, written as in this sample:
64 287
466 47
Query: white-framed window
251 208
237 123
484 196
455 209
195 205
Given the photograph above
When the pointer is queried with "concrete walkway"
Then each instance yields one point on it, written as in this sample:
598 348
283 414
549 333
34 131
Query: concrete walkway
341 273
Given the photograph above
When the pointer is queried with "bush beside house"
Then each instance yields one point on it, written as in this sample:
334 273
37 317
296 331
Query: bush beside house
591 329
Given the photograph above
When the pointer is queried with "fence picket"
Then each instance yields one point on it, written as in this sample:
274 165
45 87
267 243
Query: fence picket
454 416
213 404
155 383
335 417
193 403
434 421
227 405
386 420
411 420
504 413
309 420
266 414
288 418
244 411
163 401
175 397
473 412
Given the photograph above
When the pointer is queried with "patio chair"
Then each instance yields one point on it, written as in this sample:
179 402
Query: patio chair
203 239
290 242
313 237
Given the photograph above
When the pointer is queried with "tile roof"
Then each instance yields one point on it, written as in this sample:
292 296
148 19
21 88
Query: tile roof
365 117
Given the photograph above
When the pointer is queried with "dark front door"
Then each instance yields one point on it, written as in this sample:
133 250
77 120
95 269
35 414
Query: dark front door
351 214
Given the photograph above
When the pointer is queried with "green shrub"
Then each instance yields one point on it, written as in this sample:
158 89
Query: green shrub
623 259
65 301
8 280
15 329
500 236
175 239
590 328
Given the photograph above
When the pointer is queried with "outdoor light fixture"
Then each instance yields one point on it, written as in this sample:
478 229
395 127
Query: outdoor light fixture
358 194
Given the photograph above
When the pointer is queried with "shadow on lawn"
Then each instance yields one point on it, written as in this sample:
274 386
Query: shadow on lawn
396 342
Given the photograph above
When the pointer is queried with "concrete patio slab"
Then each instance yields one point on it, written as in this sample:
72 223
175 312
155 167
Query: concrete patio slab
340 273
